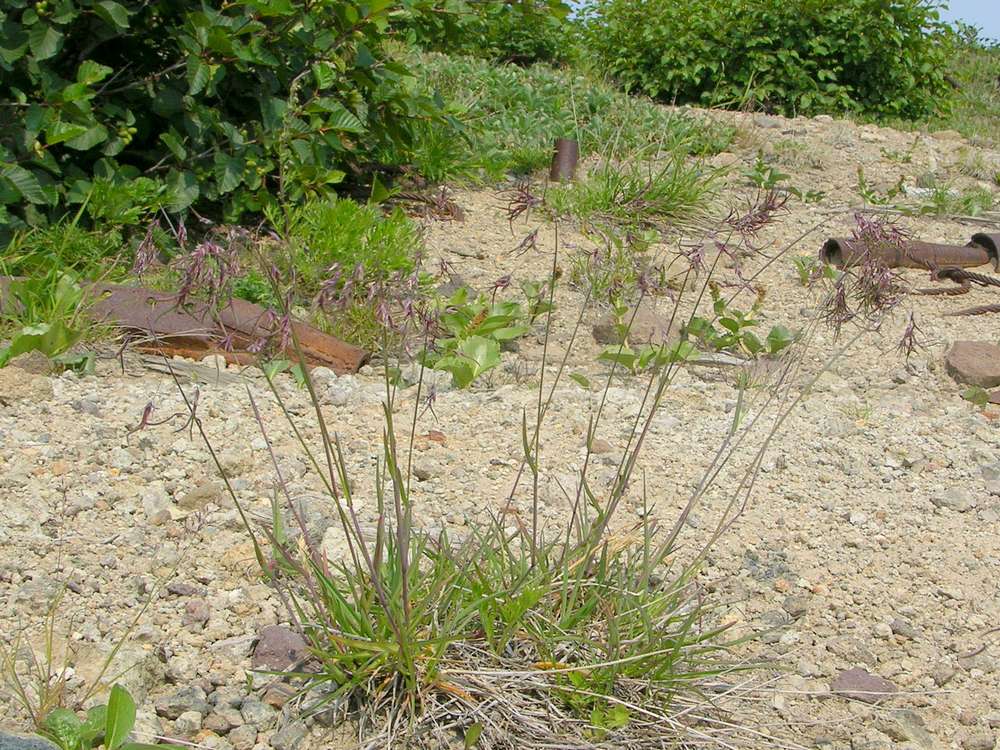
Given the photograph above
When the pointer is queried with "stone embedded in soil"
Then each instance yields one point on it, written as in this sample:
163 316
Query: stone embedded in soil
22 742
978 739
289 737
957 499
188 698
648 327
278 648
871 739
906 726
257 713
243 737
861 685
975 363
187 723
18 385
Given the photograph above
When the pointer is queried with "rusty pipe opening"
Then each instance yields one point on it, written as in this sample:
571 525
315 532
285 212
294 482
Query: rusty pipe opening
991 244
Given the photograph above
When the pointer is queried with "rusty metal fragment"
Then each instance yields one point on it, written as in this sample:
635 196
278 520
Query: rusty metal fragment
564 159
197 330
843 252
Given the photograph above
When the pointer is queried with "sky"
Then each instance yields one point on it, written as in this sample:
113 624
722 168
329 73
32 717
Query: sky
982 13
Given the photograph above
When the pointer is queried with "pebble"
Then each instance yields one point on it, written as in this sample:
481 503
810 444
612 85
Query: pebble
243 737
289 737
190 698
188 723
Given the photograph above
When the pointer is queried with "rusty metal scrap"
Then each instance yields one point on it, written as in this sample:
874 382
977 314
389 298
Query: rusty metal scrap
565 156
157 324
842 252
198 330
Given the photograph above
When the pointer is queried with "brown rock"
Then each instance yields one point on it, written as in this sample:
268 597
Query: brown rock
861 685
278 648
648 327
974 362
19 385
978 739
34 362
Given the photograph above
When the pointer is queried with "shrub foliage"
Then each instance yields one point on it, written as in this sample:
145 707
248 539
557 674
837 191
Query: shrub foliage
219 106
881 58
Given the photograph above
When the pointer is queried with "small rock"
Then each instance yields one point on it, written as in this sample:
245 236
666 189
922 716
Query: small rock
278 648
902 627
179 588
87 406
600 446
851 650
906 726
978 739
217 723
196 613
943 673
947 135
957 499
188 723
992 720
974 362
648 327
883 630
200 495
861 685
278 694
341 391
18 385
423 472
967 717
215 362
243 737
289 737
871 739
189 698
322 376
33 362
24 742
796 605
257 713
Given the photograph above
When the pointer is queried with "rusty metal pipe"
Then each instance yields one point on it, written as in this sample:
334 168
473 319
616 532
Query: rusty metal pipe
843 252
992 244
564 158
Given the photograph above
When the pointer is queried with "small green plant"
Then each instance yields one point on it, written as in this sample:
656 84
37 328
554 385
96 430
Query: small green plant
735 334
976 395
763 175
667 190
476 329
649 357
870 195
106 726
900 157
944 200
46 314
343 234
809 269
612 270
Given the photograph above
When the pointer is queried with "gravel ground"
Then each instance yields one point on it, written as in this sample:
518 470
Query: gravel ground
870 541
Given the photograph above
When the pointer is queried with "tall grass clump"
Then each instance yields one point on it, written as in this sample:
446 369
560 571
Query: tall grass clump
591 632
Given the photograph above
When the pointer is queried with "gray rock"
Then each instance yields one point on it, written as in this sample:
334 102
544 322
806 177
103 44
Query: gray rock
906 726
439 380
156 502
796 605
852 650
87 406
25 742
957 499
903 627
861 685
974 362
243 737
278 648
257 713
648 327
978 739
341 391
196 613
943 673
870 739
289 737
188 723
189 698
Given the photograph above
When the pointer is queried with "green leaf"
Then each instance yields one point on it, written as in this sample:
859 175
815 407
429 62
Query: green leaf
198 76
171 141
472 735
91 72
581 380
25 182
90 138
120 717
182 191
62 725
228 172
976 395
779 338
44 40
59 132
113 13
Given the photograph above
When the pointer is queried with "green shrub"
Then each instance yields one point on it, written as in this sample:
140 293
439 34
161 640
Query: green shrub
143 105
883 58
66 245
521 32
